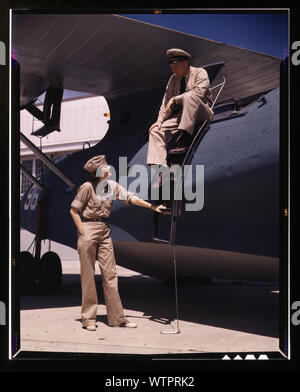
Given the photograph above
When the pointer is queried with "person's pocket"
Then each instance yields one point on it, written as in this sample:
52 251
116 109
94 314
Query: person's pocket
106 207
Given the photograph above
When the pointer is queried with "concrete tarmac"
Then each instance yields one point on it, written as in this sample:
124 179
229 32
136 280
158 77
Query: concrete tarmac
220 316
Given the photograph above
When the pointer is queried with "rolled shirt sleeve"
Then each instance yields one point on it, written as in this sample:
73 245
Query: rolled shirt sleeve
115 191
83 195
123 194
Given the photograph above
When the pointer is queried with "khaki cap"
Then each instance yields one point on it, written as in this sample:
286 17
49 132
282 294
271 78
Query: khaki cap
94 163
175 55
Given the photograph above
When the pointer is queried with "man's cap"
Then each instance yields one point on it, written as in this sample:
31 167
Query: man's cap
95 162
175 55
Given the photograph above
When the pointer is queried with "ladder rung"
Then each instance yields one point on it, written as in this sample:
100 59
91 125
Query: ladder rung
159 240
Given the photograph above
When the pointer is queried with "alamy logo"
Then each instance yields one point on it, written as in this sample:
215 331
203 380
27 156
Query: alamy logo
2 313
296 315
175 183
2 53
296 54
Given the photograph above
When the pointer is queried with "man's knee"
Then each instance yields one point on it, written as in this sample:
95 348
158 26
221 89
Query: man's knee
188 99
197 107
155 131
109 278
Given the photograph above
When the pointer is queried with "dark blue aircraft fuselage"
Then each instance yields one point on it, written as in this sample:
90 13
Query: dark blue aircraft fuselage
241 188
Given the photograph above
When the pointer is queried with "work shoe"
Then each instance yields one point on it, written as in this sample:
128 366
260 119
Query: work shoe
128 325
160 180
182 144
90 327
181 148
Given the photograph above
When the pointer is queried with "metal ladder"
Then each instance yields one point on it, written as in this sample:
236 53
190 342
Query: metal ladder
177 203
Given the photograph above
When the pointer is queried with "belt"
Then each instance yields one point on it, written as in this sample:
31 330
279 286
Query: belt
93 219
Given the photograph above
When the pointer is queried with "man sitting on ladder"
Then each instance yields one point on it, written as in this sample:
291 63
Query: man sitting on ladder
184 105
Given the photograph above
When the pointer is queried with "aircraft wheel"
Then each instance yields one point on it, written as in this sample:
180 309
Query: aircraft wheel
50 271
27 272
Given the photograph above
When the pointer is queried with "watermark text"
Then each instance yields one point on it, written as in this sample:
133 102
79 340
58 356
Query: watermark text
158 183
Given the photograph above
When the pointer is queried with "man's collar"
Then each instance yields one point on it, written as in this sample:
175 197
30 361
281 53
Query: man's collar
188 73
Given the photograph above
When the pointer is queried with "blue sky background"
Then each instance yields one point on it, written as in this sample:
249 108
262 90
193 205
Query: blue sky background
266 33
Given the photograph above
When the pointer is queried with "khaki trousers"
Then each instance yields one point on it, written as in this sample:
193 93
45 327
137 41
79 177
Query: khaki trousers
96 244
194 111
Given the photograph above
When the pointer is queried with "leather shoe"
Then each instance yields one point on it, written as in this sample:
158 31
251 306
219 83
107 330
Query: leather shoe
180 149
129 325
90 327
160 180
182 144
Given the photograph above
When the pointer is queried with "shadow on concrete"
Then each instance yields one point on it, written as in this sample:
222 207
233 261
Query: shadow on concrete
250 308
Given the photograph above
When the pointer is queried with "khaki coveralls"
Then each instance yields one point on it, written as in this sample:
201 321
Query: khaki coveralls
96 244
194 110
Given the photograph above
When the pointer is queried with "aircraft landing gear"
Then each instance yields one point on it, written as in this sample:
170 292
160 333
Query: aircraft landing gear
50 271
40 274
49 265
27 272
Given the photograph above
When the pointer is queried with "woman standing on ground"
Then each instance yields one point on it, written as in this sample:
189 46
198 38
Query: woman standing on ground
94 242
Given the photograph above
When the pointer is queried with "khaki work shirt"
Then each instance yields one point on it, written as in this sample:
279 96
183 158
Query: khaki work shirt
197 82
91 206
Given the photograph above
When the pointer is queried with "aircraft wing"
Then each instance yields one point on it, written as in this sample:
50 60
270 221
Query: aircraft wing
111 55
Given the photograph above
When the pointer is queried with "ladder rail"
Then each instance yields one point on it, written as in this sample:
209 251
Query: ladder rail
194 145
172 239
47 161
